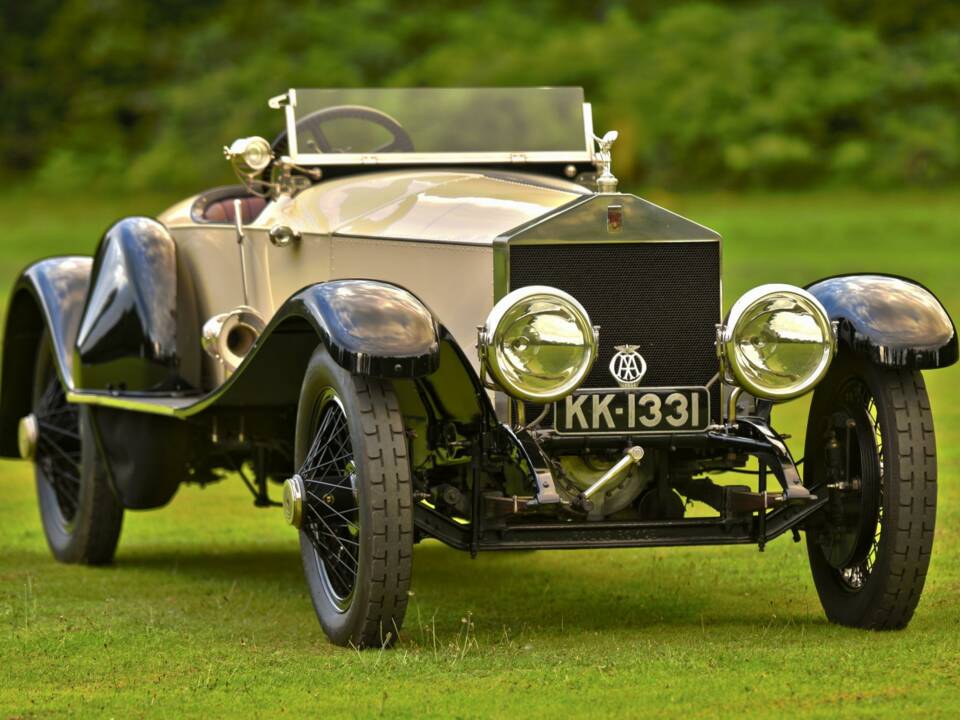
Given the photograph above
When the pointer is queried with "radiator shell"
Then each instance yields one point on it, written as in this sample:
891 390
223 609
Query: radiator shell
654 282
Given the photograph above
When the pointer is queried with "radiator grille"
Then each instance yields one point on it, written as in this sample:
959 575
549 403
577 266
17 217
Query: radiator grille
663 297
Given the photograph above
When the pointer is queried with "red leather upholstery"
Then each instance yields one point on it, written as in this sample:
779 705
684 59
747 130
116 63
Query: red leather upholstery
221 211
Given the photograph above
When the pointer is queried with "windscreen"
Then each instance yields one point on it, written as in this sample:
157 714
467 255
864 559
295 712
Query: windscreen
494 122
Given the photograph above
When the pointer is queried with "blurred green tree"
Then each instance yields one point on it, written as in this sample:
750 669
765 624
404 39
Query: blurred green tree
706 94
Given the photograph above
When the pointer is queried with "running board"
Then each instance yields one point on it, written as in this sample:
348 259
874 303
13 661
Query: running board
177 406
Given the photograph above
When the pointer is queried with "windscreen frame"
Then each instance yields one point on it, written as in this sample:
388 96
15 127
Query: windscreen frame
288 102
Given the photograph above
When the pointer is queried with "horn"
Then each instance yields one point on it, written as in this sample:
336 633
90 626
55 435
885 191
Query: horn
229 337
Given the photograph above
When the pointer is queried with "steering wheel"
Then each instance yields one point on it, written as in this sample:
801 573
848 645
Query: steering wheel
312 125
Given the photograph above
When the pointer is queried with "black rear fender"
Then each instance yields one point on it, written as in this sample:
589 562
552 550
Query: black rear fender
139 330
48 295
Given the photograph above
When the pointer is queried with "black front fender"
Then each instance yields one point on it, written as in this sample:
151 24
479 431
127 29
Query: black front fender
892 320
370 327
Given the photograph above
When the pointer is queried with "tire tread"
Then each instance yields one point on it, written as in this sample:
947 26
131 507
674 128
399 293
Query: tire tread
915 443
892 592
392 512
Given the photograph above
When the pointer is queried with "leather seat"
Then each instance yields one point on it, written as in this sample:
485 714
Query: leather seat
222 211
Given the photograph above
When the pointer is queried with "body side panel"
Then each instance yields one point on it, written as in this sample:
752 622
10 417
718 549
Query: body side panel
210 256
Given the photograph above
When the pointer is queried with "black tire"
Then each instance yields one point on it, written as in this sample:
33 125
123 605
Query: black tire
358 508
870 547
81 516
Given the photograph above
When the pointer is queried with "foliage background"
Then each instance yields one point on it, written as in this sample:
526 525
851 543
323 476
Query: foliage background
135 95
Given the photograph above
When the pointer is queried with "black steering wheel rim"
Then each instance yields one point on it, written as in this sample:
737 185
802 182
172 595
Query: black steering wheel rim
313 123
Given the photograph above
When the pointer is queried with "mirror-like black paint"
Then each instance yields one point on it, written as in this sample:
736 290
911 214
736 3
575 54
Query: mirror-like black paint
48 295
127 339
370 327
894 321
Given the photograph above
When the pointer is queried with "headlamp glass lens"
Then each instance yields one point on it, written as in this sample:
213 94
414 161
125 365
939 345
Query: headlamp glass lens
541 345
781 344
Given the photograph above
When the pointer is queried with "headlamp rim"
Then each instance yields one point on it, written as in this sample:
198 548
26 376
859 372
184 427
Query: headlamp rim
741 309
491 332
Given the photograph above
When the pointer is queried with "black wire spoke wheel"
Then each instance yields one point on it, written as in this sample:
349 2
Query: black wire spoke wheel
871 452
81 515
332 512
59 453
851 541
356 519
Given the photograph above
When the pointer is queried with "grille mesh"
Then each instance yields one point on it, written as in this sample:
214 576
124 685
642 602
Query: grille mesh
663 297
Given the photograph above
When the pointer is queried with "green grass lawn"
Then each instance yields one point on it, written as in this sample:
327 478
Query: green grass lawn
205 612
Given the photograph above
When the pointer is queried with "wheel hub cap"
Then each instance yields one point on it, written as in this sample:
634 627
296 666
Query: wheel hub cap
293 501
28 433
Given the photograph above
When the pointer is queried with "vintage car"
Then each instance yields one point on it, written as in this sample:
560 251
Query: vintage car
429 313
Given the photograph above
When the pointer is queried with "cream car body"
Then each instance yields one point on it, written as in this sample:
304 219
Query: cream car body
432 232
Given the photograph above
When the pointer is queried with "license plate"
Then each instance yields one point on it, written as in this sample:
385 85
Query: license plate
642 410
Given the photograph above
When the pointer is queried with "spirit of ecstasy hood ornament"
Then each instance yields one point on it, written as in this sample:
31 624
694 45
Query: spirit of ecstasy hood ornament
606 181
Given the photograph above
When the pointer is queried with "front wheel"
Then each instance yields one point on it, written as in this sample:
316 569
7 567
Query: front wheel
356 532
870 449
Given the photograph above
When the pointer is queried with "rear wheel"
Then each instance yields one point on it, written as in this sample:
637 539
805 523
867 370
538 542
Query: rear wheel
871 449
356 535
81 516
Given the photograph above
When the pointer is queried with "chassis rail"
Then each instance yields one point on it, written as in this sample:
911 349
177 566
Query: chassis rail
750 435
569 536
